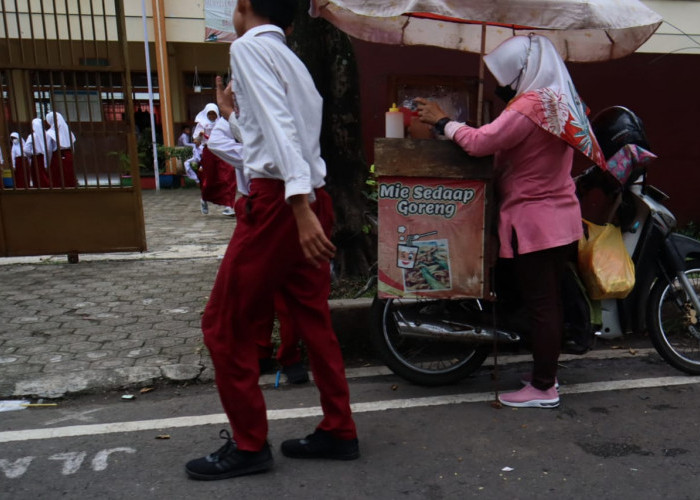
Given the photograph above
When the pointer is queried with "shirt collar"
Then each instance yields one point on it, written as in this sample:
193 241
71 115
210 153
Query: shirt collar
264 28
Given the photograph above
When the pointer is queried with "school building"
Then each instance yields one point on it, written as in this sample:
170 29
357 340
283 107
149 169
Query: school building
68 56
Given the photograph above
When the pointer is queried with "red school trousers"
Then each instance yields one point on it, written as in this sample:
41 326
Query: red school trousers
289 351
263 258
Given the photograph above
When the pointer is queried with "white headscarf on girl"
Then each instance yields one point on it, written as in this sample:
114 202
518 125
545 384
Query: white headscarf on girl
66 138
203 118
533 67
17 146
38 138
204 124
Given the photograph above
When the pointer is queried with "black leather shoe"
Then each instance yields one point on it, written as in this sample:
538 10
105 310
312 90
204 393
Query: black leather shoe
229 461
296 373
321 444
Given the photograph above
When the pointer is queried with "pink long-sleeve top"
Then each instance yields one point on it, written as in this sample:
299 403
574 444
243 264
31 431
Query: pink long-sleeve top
536 193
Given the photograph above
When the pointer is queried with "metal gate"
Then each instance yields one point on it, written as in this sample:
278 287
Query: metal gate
67 58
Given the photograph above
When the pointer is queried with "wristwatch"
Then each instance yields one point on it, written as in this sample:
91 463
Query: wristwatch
440 125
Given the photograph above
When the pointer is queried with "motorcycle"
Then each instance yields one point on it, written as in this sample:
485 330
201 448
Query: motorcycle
437 342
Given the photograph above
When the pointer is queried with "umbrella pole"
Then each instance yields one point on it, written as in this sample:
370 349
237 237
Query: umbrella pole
480 89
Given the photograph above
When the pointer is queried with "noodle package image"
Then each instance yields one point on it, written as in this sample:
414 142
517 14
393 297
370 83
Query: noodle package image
431 268
431 238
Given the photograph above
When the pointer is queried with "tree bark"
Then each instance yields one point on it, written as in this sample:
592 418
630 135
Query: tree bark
328 54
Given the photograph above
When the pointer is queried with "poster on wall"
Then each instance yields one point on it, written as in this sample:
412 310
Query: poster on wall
431 237
218 20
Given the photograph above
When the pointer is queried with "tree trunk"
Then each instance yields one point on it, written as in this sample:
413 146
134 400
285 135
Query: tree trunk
328 54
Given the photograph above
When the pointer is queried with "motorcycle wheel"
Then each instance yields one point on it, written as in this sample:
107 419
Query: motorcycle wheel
422 361
674 324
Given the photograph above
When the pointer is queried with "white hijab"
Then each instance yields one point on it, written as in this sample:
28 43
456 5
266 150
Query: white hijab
530 61
38 137
66 138
202 117
532 66
17 147
204 124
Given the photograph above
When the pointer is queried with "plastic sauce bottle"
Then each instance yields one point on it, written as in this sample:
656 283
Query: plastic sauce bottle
394 122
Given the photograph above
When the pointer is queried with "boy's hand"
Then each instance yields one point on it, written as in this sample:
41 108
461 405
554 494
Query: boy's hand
316 246
224 98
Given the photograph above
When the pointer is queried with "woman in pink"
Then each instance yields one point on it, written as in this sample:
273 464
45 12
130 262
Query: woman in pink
539 215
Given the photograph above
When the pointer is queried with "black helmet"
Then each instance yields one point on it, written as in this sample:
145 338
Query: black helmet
617 126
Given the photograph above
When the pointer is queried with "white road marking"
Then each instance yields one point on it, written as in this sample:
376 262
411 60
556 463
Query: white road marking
72 461
315 411
99 463
81 416
15 469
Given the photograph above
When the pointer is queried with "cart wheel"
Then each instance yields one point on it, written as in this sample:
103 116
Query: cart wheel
422 361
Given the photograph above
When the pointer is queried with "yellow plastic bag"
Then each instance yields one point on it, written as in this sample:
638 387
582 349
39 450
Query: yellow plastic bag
604 264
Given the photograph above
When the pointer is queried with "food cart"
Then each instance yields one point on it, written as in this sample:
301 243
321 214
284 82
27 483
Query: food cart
435 205
425 249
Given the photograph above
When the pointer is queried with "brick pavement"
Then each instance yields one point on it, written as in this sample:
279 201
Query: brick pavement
113 320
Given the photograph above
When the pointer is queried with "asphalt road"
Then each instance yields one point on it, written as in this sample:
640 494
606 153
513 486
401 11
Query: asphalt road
627 428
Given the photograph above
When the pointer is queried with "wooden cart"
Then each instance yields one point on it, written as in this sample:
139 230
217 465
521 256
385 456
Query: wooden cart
435 206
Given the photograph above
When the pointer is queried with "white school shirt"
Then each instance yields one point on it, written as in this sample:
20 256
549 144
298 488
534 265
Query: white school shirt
203 128
28 148
17 149
280 112
223 143
184 140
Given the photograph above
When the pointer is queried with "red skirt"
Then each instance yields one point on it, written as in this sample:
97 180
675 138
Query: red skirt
40 176
30 172
217 179
61 172
22 173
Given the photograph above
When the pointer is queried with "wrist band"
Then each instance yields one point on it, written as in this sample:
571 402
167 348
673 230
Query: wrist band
440 125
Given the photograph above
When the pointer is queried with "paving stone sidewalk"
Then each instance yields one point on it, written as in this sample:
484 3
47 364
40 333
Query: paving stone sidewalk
118 319
114 320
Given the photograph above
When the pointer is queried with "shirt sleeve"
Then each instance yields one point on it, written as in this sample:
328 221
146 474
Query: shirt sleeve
265 93
198 129
505 132
222 144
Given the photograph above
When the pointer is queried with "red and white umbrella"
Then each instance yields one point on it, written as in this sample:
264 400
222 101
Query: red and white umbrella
582 30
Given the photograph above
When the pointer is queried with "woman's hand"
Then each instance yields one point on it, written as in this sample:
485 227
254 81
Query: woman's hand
429 111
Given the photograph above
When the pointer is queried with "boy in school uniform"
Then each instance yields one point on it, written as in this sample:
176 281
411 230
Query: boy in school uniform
280 246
